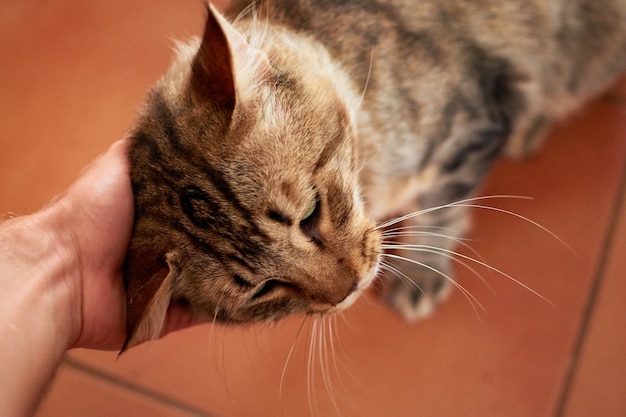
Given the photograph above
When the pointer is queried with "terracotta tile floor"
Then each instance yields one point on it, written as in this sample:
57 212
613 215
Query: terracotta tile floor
71 75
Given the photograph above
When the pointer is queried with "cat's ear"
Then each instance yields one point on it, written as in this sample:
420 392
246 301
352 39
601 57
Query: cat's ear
149 295
226 65
212 70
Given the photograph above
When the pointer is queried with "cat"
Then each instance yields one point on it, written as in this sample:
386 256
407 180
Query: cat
267 159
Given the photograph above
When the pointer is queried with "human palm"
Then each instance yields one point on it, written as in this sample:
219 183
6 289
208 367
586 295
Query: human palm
99 207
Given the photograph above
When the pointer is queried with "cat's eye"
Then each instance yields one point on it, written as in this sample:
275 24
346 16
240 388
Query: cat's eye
258 290
311 211
265 288
310 222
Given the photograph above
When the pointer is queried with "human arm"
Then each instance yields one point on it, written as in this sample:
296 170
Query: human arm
61 281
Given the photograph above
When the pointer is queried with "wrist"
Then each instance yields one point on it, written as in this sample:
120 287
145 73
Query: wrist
42 275
61 279
63 268
37 319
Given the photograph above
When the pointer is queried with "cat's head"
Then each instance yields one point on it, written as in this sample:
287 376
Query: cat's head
244 170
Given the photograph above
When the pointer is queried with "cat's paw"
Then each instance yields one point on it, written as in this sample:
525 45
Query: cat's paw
418 298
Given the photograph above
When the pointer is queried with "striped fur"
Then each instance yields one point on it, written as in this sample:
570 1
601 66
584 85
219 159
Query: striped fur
351 111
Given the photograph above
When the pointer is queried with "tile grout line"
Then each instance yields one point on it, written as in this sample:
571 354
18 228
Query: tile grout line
589 308
144 392
615 99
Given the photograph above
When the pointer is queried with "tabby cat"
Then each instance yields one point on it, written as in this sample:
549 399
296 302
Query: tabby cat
267 155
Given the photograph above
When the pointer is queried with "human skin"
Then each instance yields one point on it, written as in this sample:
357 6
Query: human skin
61 283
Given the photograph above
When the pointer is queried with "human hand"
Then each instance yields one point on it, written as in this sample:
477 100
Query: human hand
98 210
71 254
61 282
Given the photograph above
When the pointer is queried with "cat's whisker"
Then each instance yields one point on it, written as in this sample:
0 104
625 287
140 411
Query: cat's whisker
264 26
212 344
459 241
460 203
388 237
519 216
291 351
211 340
229 391
346 322
365 296
214 322
420 229
249 10
472 300
449 254
388 240
398 233
213 351
343 354
320 350
405 278
366 159
390 268
367 79
335 353
387 267
469 204
453 255
311 366
324 365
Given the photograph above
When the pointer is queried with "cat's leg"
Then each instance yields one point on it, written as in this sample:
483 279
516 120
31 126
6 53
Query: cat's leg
419 271
480 123
528 136
424 277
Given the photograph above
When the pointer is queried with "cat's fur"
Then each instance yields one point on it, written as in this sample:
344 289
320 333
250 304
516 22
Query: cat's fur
265 156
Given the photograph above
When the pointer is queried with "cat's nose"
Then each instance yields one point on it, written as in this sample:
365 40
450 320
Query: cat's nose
350 291
335 294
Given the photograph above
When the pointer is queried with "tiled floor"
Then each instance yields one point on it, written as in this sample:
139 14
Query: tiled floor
71 75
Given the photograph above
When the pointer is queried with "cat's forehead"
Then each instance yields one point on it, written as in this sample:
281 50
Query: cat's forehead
306 108
295 133
295 139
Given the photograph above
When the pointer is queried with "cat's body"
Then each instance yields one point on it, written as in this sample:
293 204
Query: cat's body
261 164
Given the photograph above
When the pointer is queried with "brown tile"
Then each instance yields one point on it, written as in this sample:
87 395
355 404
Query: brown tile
599 385
77 72
175 366
77 394
619 91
